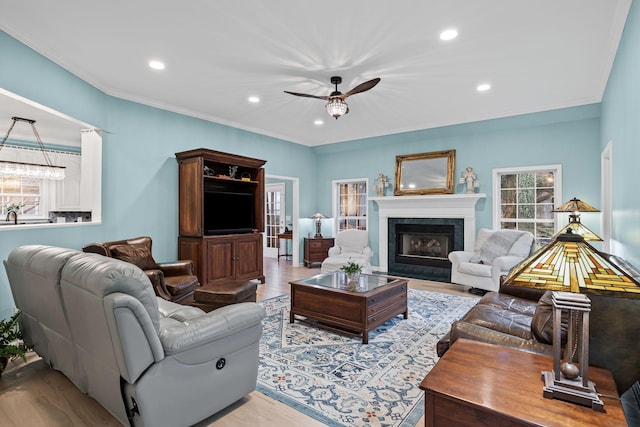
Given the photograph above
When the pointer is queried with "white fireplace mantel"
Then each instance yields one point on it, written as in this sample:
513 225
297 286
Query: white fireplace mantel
431 206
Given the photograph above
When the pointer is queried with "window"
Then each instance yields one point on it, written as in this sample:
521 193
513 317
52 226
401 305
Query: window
524 200
21 191
350 204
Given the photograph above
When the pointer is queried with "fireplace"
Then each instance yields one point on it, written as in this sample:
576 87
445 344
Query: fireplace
419 247
418 244
442 207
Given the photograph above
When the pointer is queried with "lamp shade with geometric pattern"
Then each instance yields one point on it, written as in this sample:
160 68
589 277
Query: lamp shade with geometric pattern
579 228
574 207
570 264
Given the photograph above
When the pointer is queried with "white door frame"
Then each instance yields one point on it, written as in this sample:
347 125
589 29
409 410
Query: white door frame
295 215
278 187
606 198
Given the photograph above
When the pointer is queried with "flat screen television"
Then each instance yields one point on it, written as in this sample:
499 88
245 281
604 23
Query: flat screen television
228 213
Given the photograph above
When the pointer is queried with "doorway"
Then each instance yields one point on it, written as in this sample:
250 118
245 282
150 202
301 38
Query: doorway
283 214
606 169
275 214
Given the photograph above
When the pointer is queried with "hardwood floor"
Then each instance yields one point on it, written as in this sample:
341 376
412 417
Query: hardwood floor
34 395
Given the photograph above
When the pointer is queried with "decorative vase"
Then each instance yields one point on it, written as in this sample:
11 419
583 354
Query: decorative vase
353 278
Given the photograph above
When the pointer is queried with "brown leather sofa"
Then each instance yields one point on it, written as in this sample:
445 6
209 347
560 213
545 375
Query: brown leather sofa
173 281
520 318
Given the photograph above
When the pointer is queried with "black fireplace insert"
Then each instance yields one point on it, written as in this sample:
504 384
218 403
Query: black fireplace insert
419 247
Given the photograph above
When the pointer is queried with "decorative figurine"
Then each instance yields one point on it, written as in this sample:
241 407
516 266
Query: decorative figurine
232 171
470 179
382 182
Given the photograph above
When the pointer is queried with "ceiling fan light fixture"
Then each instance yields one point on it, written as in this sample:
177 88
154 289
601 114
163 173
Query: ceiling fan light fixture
336 107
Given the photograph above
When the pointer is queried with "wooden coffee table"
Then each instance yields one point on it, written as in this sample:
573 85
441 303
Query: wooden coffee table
328 301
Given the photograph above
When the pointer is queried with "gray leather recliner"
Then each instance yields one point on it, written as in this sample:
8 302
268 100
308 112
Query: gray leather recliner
148 361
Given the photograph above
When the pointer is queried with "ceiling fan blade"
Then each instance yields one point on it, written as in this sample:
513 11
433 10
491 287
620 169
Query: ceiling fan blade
362 87
306 95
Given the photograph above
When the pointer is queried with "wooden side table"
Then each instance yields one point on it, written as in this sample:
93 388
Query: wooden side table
316 249
475 384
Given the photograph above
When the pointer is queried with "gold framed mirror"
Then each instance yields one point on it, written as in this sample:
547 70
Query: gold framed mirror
425 173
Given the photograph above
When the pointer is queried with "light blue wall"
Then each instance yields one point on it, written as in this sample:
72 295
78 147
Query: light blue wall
140 172
621 125
569 137
139 168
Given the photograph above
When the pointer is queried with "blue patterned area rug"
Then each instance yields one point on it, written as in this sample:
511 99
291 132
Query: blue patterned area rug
340 381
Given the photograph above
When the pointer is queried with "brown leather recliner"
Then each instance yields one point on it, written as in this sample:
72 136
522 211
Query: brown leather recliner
173 281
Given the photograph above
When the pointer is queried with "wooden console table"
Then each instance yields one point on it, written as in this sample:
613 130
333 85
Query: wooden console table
287 237
479 384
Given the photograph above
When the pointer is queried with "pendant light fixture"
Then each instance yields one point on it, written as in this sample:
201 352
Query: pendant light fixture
30 170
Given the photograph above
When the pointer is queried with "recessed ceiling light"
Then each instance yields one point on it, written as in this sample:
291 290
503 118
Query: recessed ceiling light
156 65
483 87
254 99
318 122
449 34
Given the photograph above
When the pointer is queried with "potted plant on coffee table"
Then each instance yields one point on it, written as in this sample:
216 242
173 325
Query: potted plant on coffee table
353 271
11 344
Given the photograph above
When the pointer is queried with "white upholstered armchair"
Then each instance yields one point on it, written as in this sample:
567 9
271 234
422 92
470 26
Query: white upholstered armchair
496 253
350 245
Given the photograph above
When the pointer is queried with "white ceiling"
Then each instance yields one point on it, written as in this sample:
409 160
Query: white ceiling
537 55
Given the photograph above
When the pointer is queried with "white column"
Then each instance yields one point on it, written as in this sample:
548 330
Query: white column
91 174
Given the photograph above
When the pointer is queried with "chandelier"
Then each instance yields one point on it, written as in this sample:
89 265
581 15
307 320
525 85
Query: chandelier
30 170
336 107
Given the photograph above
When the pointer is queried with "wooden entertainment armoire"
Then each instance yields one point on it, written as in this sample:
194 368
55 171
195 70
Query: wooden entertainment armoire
211 185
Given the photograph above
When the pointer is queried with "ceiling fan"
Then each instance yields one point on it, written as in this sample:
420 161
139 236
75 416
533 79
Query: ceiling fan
336 106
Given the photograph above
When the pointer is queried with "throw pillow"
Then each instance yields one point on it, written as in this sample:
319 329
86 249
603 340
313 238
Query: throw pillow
522 246
542 322
498 244
136 254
